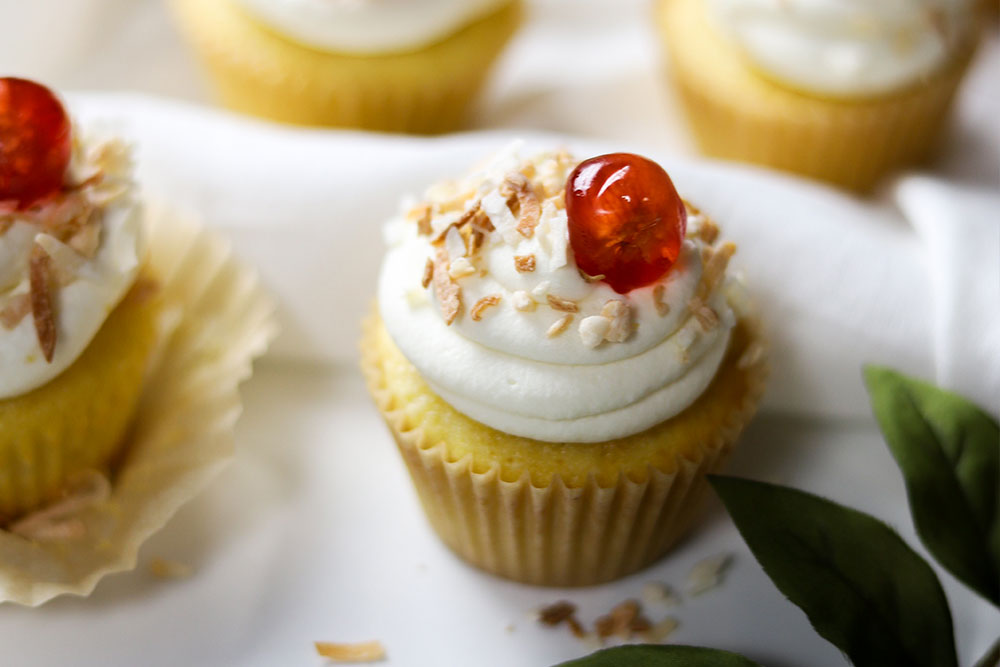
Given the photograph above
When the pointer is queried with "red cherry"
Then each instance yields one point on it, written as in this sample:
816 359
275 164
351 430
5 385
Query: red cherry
34 142
626 220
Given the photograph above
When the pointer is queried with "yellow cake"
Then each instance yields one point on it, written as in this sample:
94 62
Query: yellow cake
77 324
478 407
863 94
264 61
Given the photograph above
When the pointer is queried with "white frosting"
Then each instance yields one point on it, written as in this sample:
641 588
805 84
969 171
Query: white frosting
503 370
96 284
846 47
368 26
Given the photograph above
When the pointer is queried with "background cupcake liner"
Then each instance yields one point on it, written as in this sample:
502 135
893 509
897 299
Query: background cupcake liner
735 112
556 534
219 320
264 74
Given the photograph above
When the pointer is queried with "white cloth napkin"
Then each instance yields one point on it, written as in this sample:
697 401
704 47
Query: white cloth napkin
839 282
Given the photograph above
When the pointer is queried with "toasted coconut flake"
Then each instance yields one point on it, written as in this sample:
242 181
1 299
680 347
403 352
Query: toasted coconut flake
662 308
15 310
169 569
371 651
593 329
620 314
660 631
60 521
422 214
428 273
707 318
87 239
589 278
460 268
42 302
565 305
707 231
559 326
753 355
5 224
483 304
447 291
714 268
523 302
524 263
454 243
529 211
707 573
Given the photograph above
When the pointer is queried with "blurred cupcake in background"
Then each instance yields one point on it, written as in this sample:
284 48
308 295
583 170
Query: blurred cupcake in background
840 90
388 65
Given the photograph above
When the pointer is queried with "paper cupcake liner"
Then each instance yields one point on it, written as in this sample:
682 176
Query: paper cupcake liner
219 320
261 73
737 113
556 534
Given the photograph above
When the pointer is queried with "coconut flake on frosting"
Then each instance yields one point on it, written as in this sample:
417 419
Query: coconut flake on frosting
558 355
65 264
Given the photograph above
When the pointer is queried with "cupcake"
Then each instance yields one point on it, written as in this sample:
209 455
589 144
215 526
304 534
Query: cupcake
388 65
561 356
78 317
839 91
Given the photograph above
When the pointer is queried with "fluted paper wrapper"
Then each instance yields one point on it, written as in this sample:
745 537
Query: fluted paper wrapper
259 72
215 321
735 113
555 535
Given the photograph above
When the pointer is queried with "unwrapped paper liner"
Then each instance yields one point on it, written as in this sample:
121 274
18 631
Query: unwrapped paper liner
217 319
557 534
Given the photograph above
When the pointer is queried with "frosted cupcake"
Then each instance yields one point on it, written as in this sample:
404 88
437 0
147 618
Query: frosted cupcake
840 91
561 357
389 65
77 316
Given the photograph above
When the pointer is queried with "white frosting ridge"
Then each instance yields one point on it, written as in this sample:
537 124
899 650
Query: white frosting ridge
96 284
368 26
504 370
846 47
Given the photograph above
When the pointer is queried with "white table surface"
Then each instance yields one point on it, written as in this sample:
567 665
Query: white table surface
315 533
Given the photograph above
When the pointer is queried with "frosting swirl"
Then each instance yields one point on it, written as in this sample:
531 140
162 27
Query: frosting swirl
846 47
545 352
93 237
368 26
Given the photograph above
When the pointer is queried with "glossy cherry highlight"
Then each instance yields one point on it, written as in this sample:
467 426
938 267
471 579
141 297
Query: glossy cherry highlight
626 220
34 142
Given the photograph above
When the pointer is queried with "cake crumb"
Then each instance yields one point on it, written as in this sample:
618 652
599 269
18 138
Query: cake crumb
660 631
559 612
170 569
624 620
659 593
371 651
708 573
593 330
522 301
620 314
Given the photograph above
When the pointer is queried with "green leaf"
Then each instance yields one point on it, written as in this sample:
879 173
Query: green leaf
949 452
673 655
862 587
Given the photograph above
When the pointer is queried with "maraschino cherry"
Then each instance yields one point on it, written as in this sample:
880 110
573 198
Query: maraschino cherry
34 142
626 220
